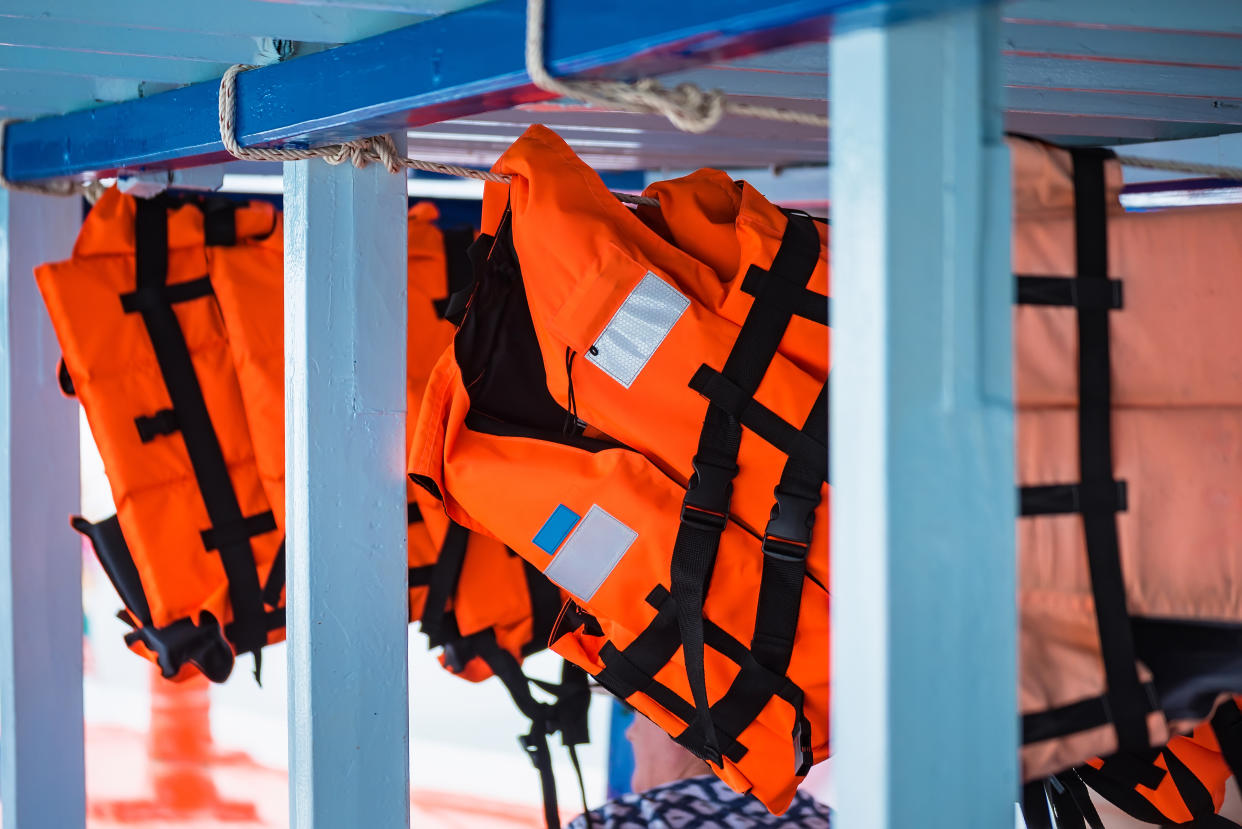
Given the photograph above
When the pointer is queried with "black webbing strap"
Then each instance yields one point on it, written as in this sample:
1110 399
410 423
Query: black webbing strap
445 574
1062 499
154 295
275 583
153 298
1227 725
586 810
545 607
570 710
803 302
219 222
748 695
413 515
1135 769
633 670
1194 792
1120 793
1097 497
1035 808
541 716
705 508
421 576
1074 717
1071 803
458 272
118 562
1096 294
786 544
1125 694
163 422
753 415
223 535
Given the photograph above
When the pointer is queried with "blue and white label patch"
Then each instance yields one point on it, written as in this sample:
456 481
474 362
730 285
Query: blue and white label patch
556 528
590 554
637 329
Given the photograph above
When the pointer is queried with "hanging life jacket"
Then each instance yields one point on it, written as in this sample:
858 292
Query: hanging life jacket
1181 784
483 606
624 415
146 352
231 313
1129 425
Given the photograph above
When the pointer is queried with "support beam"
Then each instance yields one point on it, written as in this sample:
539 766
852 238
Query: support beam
345 321
923 560
41 734
407 77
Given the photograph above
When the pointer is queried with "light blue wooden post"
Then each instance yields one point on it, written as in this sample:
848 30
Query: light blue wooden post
345 321
924 622
41 734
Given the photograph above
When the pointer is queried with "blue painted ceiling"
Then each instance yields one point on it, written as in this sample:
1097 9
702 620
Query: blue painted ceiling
1104 71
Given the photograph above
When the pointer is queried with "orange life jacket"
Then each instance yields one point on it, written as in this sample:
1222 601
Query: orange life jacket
1129 453
195 536
177 596
1181 784
620 413
485 607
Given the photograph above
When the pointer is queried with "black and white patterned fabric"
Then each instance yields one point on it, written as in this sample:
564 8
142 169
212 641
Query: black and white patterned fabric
700 803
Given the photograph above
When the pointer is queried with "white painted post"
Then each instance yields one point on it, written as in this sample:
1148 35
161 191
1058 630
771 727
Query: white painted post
345 321
923 555
42 778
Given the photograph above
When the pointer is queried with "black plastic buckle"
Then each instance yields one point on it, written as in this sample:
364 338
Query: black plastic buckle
710 489
792 517
702 519
784 550
184 641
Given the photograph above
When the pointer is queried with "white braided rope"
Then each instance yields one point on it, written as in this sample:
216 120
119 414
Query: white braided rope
376 149
92 190
690 108
1193 167
361 152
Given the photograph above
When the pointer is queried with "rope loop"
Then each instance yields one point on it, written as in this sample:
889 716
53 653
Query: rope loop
690 108
362 152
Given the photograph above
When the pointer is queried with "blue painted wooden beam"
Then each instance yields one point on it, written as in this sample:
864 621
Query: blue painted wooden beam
458 64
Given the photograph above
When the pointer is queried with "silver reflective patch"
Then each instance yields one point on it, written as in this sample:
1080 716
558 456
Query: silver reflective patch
637 329
590 553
